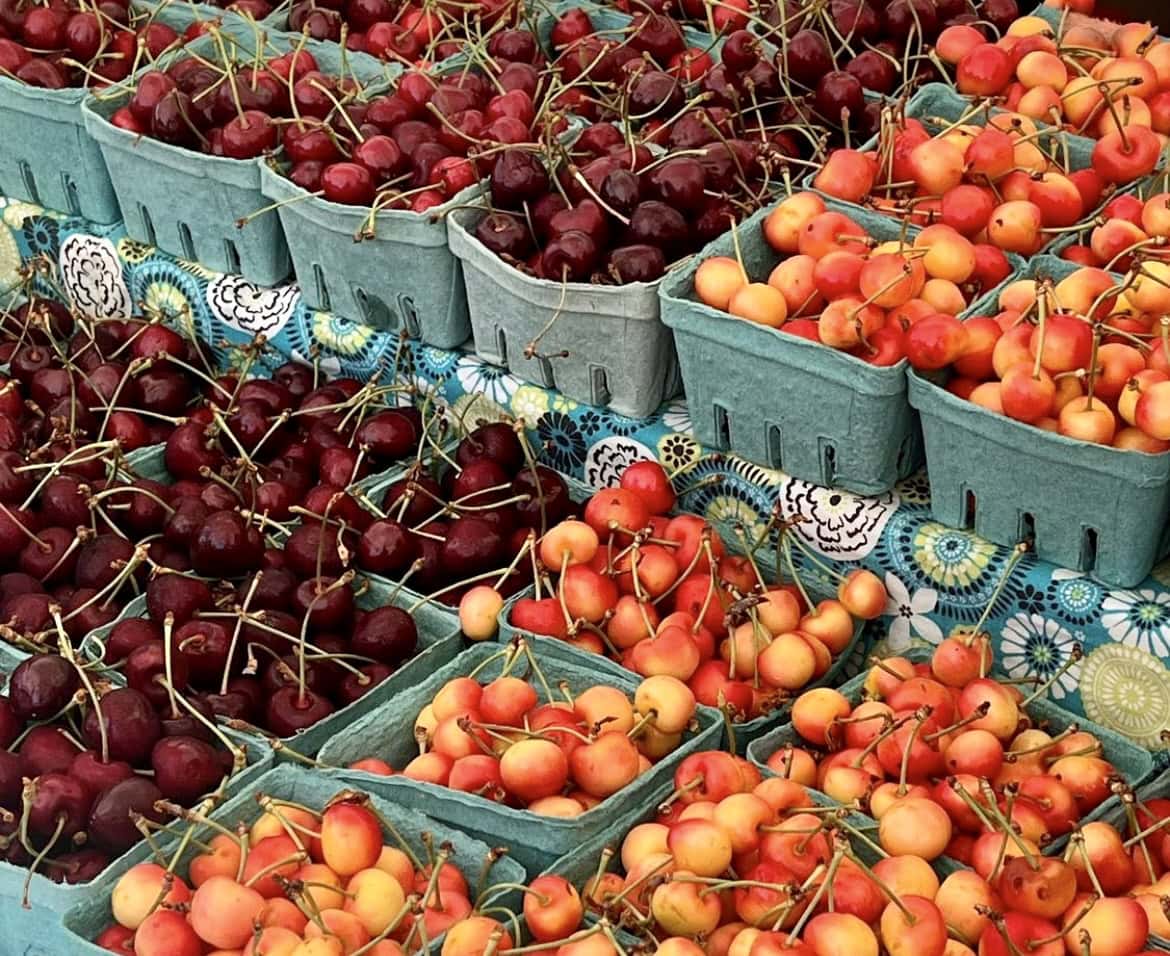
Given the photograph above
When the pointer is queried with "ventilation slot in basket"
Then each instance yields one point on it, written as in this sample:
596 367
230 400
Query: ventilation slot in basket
1089 550
410 316
775 447
599 386
232 255
1027 529
185 241
501 356
147 225
322 288
968 509
30 182
547 378
828 464
71 197
722 428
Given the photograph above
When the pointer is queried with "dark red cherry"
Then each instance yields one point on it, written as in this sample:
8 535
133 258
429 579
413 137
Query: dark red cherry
179 595
226 546
41 686
292 709
46 749
97 776
517 177
111 821
185 768
147 663
544 486
131 725
386 548
808 57
636 263
60 807
387 634
505 235
353 687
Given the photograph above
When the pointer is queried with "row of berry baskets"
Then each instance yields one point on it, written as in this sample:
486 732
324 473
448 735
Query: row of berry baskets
818 413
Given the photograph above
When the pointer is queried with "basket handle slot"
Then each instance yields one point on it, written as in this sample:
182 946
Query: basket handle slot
501 356
322 288
232 254
828 463
547 379
30 182
409 315
968 508
775 446
147 225
722 426
71 197
1027 529
599 385
187 242
1088 550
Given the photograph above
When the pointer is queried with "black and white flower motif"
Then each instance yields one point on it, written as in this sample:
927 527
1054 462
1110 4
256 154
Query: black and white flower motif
608 458
840 525
92 275
251 308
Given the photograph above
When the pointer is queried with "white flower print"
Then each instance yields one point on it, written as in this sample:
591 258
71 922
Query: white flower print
909 615
1034 646
1140 618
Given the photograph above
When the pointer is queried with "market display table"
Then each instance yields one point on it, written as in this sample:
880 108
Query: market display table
937 577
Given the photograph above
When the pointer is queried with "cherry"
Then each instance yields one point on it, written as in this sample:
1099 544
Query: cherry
389 436
352 687
96 776
59 800
839 97
306 542
386 548
387 634
148 662
111 824
132 726
226 546
505 235
47 750
655 223
12 772
421 490
178 595
655 93
185 768
290 710
636 263
348 183
808 57
41 686
516 178
569 257
381 156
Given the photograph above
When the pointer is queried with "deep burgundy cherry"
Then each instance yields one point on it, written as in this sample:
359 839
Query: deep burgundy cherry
553 493
421 490
856 18
185 768
41 686
80 866
128 634
655 93
390 436
11 725
177 594
97 776
387 634
472 546
12 772
84 611
659 225
517 177
226 546
164 390
46 749
205 646
505 235
147 663
386 548
808 57
352 687
189 449
59 801
171 119
132 726
326 608
310 541
185 521
28 614
636 263
111 826
836 93
569 257
290 710
101 559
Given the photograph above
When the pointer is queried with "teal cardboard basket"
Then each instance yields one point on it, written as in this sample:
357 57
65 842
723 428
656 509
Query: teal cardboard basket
36 931
1134 763
404 277
188 203
1089 507
314 789
388 733
599 344
47 156
864 437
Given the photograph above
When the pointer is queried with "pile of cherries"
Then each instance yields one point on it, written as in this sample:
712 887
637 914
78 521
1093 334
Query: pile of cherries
72 44
404 32
421 144
74 774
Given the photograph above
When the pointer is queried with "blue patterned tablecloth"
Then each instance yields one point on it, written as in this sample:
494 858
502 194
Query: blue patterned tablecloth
937 577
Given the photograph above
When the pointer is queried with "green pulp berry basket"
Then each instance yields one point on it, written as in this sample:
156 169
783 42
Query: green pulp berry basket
188 203
311 788
750 387
388 733
603 345
47 156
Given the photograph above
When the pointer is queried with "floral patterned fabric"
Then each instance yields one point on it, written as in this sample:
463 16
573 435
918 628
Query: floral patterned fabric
938 578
